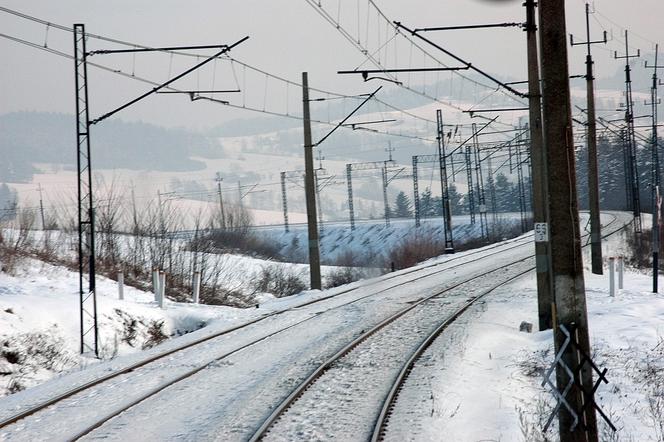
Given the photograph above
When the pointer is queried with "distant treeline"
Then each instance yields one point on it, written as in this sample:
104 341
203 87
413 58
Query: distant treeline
27 138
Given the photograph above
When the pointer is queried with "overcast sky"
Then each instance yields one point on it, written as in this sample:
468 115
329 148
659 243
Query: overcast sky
286 38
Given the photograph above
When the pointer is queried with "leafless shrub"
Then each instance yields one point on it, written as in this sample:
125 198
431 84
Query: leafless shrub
415 249
22 355
652 378
108 215
534 364
639 248
16 239
26 224
533 419
156 334
606 433
347 270
279 281
505 228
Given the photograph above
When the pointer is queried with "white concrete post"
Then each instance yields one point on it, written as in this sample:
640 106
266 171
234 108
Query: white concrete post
197 287
612 276
121 285
621 271
155 284
162 288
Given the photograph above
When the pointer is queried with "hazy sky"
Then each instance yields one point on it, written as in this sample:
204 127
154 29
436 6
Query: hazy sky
286 38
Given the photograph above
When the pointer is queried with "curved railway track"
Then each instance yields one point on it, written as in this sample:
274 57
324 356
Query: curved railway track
273 420
438 267
382 421
427 271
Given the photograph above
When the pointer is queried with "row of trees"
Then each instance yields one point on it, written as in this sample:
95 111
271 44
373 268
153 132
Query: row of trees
612 185
507 200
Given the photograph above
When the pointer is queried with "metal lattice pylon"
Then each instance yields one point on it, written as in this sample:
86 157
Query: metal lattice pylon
481 197
86 231
416 193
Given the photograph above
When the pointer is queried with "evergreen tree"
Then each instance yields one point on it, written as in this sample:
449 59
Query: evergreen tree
455 200
8 202
507 198
427 208
402 206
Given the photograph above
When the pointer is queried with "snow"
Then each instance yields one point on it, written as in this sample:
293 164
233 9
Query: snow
483 380
480 381
43 299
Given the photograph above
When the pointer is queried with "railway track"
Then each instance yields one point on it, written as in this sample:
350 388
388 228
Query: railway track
278 426
437 267
136 369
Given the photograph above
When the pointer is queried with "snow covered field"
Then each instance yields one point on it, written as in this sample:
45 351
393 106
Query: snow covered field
479 381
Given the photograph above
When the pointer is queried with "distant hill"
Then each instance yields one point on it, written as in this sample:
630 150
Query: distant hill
38 137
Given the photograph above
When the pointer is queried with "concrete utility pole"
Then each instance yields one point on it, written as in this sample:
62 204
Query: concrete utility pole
630 137
539 173
310 189
222 222
564 236
593 171
41 207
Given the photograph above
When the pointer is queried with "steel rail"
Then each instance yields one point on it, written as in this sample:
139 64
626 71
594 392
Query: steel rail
199 368
318 372
388 404
391 398
520 241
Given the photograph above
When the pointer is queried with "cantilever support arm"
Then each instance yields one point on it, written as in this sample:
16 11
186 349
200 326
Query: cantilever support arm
163 85
460 60
371 95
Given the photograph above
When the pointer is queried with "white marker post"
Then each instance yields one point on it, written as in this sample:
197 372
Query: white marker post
155 284
121 285
197 287
621 271
162 288
612 276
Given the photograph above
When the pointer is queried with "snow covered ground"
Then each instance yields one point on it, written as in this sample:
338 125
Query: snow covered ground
481 381
38 311
372 239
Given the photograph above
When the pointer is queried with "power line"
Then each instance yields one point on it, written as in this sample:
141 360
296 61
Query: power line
364 50
186 54
154 83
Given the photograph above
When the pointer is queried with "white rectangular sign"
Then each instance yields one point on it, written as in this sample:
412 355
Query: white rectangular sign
541 232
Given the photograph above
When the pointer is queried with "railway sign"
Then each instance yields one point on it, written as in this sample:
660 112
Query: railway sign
541 232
